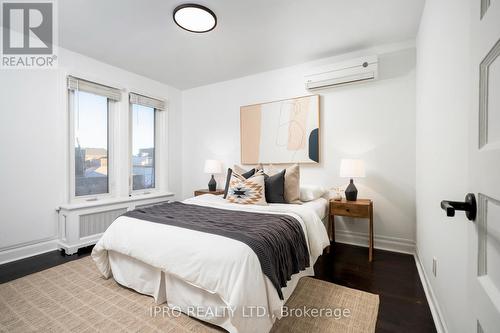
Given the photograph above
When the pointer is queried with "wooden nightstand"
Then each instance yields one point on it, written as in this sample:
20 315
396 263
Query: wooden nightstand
205 191
362 208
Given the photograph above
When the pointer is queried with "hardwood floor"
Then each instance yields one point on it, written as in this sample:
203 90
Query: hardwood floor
393 276
16 269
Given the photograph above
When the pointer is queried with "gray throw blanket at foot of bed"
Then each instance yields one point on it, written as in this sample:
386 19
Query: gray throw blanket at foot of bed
277 240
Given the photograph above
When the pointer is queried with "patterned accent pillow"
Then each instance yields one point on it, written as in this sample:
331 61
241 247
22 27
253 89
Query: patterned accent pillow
249 191
246 174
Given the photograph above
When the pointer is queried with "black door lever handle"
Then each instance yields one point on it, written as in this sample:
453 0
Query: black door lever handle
469 206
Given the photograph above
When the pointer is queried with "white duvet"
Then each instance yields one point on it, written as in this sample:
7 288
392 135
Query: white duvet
217 264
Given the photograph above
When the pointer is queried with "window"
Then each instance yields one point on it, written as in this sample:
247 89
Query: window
144 113
90 112
143 147
91 144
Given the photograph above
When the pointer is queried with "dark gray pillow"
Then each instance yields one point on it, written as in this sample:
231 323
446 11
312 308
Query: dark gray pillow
247 175
275 187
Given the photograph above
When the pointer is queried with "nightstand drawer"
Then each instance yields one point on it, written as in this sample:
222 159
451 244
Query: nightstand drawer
345 209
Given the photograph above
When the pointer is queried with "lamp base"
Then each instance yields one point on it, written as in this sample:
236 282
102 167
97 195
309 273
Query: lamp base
212 184
351 192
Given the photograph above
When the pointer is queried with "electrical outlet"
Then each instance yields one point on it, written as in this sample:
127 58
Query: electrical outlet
434 266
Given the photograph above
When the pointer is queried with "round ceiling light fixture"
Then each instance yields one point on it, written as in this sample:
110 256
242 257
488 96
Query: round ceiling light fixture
195 18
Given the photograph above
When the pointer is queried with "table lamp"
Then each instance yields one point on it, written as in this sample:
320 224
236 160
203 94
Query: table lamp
212 167
352 169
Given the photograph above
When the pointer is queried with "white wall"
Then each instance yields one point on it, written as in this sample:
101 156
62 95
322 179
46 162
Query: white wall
34 139
373 121
443 103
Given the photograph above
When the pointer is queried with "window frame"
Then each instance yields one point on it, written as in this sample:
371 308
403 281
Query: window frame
111 106
156 161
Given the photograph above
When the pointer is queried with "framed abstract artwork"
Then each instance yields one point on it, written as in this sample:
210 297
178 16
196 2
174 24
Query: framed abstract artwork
285 131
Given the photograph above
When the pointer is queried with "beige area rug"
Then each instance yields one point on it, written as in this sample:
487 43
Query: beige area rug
73 297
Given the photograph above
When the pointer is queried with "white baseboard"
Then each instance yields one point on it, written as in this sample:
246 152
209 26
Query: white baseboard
393 244
431 298
28 250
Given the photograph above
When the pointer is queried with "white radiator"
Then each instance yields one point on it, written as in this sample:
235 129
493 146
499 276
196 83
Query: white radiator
81 225
97 223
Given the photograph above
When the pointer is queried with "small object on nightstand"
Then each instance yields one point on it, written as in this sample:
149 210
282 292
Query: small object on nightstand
352 169
205 191
338 194
361 208
211 167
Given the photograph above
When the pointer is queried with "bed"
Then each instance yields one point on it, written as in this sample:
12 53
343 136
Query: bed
213 278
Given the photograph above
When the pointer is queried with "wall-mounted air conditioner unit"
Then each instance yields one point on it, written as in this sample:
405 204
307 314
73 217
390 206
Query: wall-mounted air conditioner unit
351 71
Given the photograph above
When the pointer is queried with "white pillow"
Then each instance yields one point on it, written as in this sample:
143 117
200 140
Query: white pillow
311 192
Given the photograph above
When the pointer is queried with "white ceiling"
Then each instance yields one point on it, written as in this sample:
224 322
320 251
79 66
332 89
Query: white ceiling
251 35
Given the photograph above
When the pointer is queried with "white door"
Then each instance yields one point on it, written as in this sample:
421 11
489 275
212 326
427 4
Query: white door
484 240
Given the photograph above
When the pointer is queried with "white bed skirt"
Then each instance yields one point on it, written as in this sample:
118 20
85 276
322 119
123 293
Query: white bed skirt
191 300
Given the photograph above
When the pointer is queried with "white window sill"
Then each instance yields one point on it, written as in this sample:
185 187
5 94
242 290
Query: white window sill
114 201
